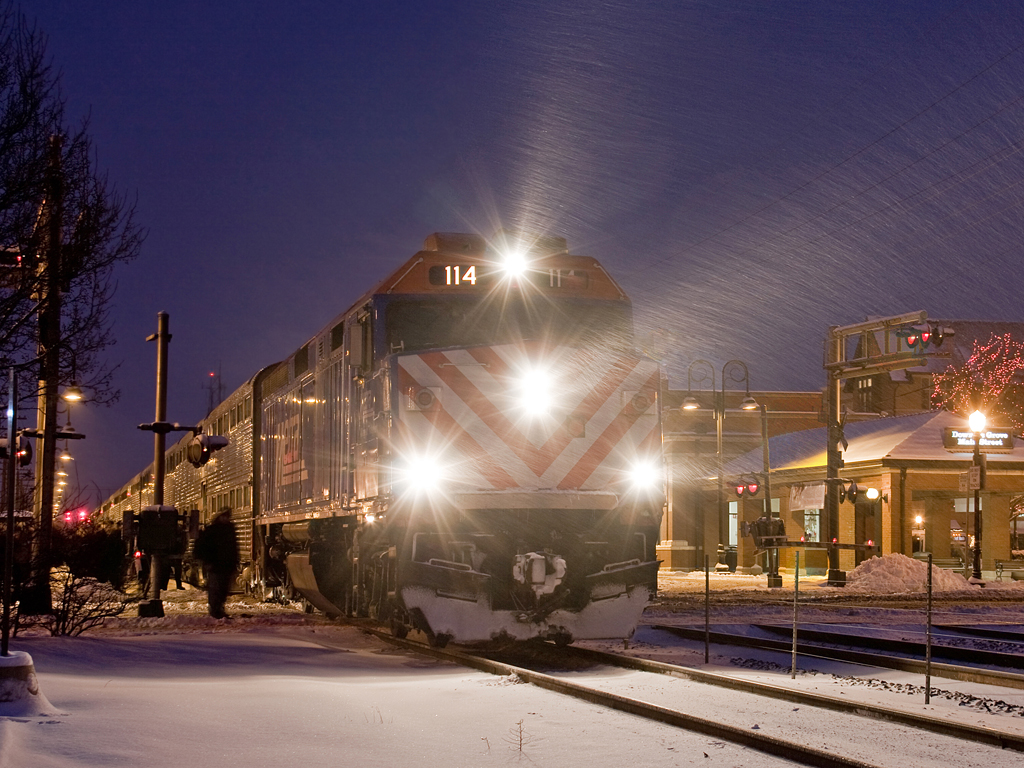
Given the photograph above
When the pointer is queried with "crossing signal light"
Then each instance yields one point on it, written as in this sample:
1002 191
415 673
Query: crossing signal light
202 448
855 493
920 337
22 451
748 485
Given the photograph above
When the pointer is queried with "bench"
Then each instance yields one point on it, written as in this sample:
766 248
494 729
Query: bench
947 563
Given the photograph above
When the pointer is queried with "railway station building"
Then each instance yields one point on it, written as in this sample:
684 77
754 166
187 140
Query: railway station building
895 446
921 507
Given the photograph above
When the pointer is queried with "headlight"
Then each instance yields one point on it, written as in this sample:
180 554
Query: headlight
536 391
646 475
514 262
423 474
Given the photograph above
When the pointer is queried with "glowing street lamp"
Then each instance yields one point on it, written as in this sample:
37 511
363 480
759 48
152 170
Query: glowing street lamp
702 372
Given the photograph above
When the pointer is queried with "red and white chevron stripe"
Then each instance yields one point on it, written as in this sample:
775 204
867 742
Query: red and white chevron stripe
466 404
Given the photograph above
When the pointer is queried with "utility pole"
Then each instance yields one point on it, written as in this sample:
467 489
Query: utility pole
156 517
839 366
37 599
11 476
162 337
158 525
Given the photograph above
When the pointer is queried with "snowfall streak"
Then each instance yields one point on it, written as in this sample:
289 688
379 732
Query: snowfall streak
471 416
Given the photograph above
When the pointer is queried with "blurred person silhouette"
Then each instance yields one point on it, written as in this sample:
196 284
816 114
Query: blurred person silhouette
217 549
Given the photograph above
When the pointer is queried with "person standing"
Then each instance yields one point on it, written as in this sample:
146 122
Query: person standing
217 549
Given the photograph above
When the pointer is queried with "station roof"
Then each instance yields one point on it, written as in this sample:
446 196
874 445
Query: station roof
913 438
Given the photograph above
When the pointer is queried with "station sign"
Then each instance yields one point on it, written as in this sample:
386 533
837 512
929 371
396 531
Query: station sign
995 440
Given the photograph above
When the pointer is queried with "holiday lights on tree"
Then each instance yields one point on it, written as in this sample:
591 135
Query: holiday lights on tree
991 379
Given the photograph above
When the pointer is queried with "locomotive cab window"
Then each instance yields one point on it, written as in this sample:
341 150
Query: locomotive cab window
415 324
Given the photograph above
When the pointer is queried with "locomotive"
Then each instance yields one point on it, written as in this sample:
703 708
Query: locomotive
472 450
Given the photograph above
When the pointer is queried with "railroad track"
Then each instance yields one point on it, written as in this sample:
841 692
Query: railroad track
793 751
867 658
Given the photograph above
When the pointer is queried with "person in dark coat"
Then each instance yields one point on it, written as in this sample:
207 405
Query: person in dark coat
217 549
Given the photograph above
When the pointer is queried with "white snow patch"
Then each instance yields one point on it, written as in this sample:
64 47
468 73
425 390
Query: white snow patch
896 573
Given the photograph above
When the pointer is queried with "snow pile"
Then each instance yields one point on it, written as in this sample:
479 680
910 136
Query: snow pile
19 687
899 573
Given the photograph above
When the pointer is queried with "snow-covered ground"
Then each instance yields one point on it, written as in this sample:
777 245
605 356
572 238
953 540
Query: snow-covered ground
273 686
276 693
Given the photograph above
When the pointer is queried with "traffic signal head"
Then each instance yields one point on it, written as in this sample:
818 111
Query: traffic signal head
202 447
920 337
22 451
853 492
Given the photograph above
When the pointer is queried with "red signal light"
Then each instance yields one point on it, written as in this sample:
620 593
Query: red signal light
749 484
835 540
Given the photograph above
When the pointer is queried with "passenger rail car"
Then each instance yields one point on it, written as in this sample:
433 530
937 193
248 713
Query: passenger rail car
225 481
473 449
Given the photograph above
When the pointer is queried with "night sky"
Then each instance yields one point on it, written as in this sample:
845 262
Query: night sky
751 172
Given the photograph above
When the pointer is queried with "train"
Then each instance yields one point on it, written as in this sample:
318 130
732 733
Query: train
472 450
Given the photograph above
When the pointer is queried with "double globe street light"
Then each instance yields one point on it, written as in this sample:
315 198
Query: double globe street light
700 373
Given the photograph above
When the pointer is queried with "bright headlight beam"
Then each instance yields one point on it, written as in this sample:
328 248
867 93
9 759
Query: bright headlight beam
645 475
535 391
424 474
515 262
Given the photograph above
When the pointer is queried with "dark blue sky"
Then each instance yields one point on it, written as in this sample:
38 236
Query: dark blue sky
752 172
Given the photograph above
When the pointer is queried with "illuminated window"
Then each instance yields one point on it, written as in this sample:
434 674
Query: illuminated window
865 394
734 523
812 524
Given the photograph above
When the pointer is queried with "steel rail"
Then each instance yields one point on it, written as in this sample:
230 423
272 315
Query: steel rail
948 671
976 733
917 648
781 748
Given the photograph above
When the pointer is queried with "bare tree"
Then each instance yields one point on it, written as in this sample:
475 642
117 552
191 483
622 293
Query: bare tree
63 230
95 224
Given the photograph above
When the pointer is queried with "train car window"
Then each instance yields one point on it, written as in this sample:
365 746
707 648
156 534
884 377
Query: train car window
302 361
361 341
337 336
248 407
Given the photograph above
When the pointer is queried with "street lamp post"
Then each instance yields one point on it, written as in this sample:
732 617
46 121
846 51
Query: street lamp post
699 373
976 422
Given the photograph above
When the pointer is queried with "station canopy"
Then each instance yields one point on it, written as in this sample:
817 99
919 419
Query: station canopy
895 440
